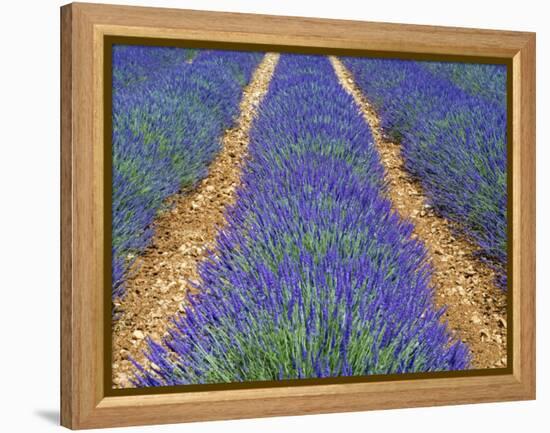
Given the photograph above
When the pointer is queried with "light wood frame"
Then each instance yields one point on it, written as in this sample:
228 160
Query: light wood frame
84 403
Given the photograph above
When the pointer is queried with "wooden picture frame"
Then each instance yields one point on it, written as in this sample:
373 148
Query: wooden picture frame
85 400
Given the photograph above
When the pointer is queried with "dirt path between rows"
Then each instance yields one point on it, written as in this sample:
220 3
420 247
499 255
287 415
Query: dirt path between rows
167 269
476 308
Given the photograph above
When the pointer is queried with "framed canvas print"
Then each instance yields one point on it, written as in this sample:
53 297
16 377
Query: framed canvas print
269 216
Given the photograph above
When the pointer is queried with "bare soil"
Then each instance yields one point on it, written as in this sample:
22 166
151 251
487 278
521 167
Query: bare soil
475 307
167 270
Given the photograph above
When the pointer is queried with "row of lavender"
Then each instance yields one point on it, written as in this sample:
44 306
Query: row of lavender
134 64
315 275
487 81
168 119
451 121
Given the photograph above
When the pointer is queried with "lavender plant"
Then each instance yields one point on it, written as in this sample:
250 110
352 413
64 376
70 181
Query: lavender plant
168 120
133 64
453 137
485 80
315 275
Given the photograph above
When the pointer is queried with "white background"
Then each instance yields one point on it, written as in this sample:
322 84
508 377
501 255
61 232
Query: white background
29 215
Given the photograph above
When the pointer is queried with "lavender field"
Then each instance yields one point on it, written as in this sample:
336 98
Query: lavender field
283 216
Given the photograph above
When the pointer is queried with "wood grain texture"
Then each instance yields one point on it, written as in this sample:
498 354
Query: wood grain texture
83 400
524 216
67 394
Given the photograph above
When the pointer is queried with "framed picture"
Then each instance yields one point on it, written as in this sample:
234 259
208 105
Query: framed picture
268 216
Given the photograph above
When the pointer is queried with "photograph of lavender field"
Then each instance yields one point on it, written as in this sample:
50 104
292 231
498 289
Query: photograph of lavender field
283 216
